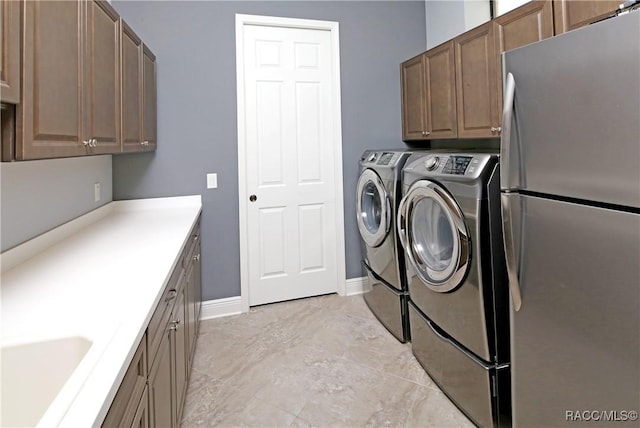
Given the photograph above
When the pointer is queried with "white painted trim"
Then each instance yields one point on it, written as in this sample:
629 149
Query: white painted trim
220 308
356 286
333 28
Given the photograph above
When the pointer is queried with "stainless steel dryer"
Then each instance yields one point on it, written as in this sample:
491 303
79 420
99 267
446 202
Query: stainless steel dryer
377 198
450 227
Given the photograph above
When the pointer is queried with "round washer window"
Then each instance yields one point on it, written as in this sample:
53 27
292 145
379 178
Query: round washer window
371 204
432 235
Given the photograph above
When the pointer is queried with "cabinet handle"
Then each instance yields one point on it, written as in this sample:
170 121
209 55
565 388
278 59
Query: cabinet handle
495 129
86 143
94 142
144 143
196 258
174 325
425 133
172 295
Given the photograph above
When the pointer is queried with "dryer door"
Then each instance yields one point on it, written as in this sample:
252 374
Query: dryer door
374 216
435 236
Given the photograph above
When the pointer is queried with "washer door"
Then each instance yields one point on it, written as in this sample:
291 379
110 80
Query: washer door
374 217
432 230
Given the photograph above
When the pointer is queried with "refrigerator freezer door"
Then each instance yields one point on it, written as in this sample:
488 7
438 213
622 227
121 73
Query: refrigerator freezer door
577 98
575 341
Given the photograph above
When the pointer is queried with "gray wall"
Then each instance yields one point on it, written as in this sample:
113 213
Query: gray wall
195 46
36 196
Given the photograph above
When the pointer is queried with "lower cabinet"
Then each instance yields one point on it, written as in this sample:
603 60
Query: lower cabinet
153 391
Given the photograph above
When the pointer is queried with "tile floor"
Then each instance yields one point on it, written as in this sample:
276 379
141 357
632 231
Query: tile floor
318 362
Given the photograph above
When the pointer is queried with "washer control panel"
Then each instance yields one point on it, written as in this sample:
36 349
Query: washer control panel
457 165
388 159
468 165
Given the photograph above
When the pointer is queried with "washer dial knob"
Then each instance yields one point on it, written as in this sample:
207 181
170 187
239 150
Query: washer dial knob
432 163
372 157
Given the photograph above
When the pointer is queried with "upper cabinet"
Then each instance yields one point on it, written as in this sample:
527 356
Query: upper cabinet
429 95
75 61
10 16
477 96
571 14
149 101
50 116
475 75
414 122
138 93
102 112
131 51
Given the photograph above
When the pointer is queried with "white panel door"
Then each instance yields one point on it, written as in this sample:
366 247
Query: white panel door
290 167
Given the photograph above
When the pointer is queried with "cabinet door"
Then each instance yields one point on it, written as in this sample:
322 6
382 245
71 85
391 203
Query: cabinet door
571 14
180 352
149 105
50 115
525 25
125 405
141 418
477 94
441 92
161 396
131 48
10 14
102 112
194 297
413 99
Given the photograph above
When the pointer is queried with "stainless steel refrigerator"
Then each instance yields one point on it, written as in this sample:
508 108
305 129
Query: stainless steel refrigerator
570 180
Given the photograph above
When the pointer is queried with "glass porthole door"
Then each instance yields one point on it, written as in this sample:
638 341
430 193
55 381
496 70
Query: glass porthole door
373 208
435 237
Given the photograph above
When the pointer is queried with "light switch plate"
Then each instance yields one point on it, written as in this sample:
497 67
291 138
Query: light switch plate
96 192
212 181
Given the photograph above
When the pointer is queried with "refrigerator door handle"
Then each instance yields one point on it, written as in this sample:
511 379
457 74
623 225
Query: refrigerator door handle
510 251
505 137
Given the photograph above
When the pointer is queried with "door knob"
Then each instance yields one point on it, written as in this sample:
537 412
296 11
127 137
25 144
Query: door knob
253 198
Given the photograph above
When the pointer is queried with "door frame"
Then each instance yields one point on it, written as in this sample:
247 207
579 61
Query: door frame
339 250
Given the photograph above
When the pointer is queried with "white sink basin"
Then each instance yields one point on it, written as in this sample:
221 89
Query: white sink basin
33 375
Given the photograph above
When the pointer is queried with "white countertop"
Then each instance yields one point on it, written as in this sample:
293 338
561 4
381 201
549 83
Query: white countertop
99 277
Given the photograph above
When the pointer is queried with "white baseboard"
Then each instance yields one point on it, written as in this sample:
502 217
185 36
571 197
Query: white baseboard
233 305
220 308
357 286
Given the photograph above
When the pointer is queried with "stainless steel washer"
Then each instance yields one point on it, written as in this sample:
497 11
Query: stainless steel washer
377 197
450 227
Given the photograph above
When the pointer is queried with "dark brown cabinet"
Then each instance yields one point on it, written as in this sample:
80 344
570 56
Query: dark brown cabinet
128 407
155 397
81 81
138 94
194 290
571 14
131 49
414 122
70 105
527 24
50 116
10 16
102 84
429 95
149 101
476 83
455 89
